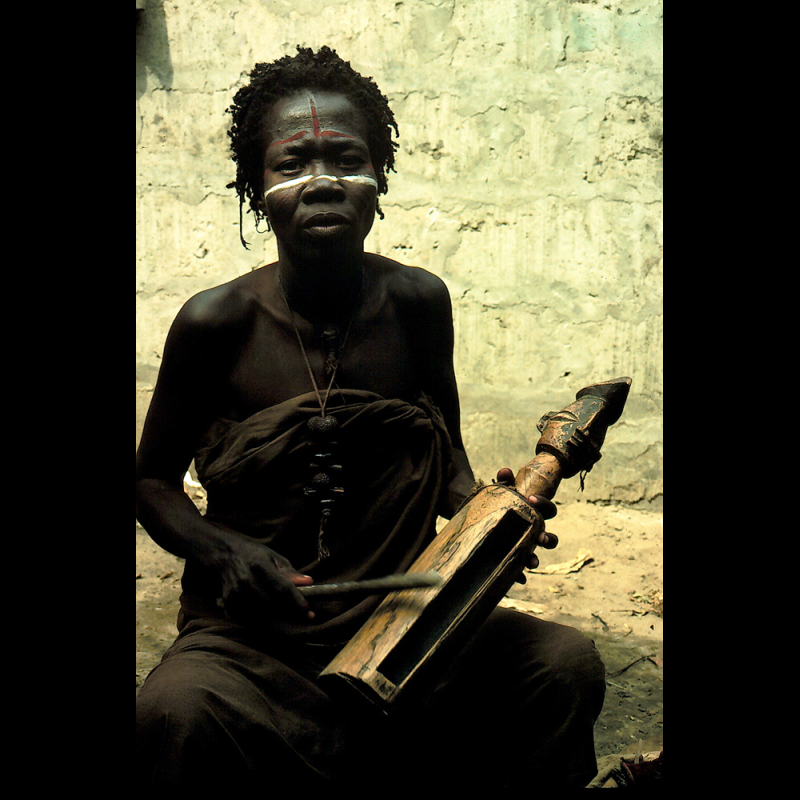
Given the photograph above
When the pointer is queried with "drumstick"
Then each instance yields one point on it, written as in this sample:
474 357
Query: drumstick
389 583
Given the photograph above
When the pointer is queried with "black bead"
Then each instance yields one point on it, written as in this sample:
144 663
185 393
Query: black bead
322 426
320 480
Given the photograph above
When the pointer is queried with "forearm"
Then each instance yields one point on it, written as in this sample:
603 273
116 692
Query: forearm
172 520
257 584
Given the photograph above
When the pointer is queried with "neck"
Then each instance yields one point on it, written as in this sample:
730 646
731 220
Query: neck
322 293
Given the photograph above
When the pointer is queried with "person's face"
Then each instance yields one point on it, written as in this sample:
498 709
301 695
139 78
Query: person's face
320 189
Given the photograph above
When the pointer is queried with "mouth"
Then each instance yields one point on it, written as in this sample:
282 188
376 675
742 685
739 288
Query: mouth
326 223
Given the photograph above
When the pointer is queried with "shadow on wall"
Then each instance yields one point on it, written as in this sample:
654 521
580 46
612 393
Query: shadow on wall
152 50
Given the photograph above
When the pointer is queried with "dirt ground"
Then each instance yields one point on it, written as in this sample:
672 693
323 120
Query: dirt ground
614 594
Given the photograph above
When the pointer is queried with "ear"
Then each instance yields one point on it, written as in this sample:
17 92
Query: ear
261 204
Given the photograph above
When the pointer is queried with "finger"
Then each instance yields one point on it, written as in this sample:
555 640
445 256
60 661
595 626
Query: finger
550 541
302 604
303 580
544 506
505 476
290 592
289 595
301 601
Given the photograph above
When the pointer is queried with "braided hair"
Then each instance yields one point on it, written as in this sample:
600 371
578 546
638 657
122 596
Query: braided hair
271 82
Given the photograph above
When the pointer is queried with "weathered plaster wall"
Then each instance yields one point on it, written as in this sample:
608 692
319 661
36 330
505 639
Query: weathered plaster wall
529 179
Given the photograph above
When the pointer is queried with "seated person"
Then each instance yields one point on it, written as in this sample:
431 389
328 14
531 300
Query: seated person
318 399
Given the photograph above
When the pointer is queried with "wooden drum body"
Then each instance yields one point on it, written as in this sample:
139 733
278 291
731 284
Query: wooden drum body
479 554
405 646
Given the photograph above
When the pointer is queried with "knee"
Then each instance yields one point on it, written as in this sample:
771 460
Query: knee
549 646
576 652
178 737
170 712
555 661
575 670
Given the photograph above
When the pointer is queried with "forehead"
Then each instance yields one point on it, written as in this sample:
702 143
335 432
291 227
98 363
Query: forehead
314 111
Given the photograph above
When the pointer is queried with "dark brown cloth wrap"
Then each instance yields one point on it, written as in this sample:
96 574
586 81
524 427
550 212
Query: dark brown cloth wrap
396 458
233 709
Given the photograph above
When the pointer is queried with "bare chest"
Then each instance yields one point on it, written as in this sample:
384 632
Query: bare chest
276 362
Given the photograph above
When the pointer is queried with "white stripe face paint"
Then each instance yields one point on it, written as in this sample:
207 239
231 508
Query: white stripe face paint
290 184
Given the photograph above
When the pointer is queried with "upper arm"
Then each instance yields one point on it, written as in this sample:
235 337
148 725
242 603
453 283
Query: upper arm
435 344
187 391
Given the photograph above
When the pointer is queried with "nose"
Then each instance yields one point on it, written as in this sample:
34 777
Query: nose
323 188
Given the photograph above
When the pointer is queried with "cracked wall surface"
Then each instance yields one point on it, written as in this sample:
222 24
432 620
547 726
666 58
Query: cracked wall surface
529 177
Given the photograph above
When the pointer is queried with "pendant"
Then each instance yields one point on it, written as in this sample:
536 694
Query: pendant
325 474
322 427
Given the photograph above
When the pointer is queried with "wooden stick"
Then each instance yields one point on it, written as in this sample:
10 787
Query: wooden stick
390 583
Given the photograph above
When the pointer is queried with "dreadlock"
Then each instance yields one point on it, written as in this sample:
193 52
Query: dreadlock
271 82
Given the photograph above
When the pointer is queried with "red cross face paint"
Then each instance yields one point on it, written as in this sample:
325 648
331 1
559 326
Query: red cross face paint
319 183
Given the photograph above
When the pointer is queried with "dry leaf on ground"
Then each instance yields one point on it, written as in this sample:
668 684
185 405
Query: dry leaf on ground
522 605
564 567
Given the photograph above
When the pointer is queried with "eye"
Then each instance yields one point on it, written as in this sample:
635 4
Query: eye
350 161
290 167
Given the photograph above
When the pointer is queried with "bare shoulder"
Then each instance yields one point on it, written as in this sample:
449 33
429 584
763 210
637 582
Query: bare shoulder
407 284
222 309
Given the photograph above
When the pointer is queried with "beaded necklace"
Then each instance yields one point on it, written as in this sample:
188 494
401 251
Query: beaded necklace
325 473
